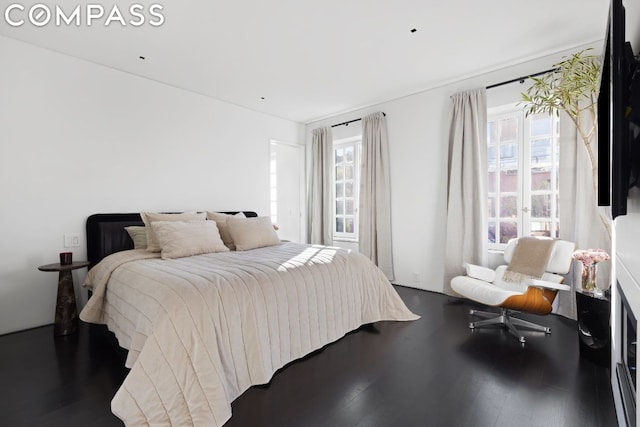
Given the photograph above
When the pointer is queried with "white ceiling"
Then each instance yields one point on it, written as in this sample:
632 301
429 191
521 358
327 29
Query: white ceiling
310 60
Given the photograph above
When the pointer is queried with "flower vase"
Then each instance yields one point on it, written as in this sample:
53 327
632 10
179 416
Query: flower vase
589 277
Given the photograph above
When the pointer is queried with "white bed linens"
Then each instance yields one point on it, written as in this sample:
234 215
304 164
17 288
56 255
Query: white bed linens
203 329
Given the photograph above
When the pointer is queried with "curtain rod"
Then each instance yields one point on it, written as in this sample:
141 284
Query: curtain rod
351 121
521 79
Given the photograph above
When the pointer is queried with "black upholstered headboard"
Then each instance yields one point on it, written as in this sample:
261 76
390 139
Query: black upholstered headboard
106 233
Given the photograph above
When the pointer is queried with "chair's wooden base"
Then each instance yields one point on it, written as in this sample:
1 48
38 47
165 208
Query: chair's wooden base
535 300
505 318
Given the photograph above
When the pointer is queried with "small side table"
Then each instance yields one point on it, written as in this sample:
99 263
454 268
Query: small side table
594 330
66 321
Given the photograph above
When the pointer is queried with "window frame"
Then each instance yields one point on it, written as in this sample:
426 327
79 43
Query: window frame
356 142
523 193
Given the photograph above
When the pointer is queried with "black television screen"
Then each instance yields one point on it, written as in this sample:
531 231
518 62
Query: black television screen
604 126
614 153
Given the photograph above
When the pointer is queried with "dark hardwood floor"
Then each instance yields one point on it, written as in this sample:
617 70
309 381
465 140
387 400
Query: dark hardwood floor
431 372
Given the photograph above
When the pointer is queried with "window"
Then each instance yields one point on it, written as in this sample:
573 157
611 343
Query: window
347 184
522 186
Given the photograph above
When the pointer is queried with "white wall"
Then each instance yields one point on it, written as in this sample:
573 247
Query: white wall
418 130
77 138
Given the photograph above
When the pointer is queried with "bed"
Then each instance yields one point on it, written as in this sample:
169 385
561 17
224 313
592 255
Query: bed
200 330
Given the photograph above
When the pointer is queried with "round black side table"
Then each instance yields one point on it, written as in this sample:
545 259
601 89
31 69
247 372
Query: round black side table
66 321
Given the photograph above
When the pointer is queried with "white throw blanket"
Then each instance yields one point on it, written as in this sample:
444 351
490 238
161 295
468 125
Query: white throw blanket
529 260
201 330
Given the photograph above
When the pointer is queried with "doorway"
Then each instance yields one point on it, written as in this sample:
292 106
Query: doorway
287 189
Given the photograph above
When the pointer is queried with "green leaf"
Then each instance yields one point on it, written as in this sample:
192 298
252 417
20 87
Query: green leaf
574 81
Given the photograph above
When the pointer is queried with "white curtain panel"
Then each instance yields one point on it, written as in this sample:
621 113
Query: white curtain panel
578 211
467 183
375 194
319 201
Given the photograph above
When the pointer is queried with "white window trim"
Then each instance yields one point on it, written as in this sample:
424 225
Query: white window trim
347 237
503 113
524 180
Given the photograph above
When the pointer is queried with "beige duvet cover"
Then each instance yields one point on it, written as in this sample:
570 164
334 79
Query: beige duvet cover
203 329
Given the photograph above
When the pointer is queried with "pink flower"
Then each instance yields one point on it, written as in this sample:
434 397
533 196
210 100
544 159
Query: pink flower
590 256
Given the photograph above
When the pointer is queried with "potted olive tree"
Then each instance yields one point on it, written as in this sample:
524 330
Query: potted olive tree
572 87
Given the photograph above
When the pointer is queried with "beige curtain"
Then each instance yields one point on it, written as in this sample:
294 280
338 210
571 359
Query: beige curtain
320 192
467 177
375 194
579 214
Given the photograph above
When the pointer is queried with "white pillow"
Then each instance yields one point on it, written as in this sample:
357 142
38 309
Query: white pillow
149 217
138 234
251 233
221 221
186 238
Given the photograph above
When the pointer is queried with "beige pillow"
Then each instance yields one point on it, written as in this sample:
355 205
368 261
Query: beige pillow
221 220
138 234
149 217
251 233
186 238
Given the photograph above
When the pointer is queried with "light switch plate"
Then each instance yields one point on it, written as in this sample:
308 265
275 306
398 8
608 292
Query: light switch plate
71 240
